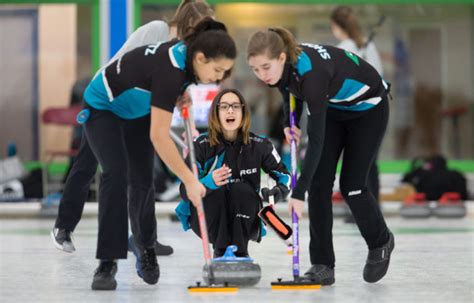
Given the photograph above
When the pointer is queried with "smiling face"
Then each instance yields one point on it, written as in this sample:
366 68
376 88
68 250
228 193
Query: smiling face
230 113
211 71
266 69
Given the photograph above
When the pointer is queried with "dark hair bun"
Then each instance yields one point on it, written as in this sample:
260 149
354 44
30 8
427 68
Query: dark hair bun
208 24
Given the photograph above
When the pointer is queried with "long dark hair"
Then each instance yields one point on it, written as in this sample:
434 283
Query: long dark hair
212 39
215 127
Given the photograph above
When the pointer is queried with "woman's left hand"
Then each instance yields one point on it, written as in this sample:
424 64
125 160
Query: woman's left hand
221 175
296 134
297 205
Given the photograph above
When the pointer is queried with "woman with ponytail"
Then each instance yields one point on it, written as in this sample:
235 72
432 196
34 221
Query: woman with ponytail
131 103
347 111
346 28
84 168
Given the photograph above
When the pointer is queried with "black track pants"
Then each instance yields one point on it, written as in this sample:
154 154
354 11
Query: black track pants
231 215
121 159
359 136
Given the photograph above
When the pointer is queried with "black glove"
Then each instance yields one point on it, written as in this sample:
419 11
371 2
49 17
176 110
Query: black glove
275 192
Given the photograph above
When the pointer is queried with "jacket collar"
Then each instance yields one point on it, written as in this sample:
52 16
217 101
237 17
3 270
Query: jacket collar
238 141
285 77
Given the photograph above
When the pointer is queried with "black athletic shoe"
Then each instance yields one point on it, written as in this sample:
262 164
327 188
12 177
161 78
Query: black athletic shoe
104 276
62 239
147 266
163 250
378 260
160 249
320 274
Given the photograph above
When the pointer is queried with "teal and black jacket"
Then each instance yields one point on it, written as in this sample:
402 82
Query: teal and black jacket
328 78
152 75
246 162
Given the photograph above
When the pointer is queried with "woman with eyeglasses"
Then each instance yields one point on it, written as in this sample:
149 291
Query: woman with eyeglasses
229 159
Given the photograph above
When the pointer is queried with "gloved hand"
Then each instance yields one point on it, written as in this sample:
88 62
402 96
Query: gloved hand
275 192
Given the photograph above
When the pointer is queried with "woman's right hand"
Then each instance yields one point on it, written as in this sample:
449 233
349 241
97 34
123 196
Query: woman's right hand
296 134
221 175
297 206
195 191
184 100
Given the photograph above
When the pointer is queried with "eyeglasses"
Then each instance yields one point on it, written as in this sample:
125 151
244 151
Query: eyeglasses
225 106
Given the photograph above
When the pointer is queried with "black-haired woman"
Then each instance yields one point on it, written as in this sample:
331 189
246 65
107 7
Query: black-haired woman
147 79
76 189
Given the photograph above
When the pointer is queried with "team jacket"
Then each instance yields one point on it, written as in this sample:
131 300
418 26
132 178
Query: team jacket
245 160
151 75
328 77
151 33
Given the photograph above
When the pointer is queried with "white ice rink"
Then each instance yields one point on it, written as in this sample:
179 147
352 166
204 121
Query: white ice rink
432 262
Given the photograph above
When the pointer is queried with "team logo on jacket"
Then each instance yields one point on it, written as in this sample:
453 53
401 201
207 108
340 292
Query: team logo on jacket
256 139
320 49
248 171
234 180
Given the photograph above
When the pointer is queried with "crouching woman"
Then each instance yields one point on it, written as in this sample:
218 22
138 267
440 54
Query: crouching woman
229 159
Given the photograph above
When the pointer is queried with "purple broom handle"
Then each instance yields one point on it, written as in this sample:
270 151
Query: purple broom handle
296 244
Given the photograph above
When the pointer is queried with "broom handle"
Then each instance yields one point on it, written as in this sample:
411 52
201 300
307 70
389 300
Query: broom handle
200 208
271 198
177 139
296 251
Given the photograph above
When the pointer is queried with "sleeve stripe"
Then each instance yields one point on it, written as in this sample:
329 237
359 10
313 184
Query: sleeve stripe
172 58
276 155
107 87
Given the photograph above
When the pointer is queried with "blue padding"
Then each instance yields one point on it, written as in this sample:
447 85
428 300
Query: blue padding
183 212
263 230
208 181
304 64
282 178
